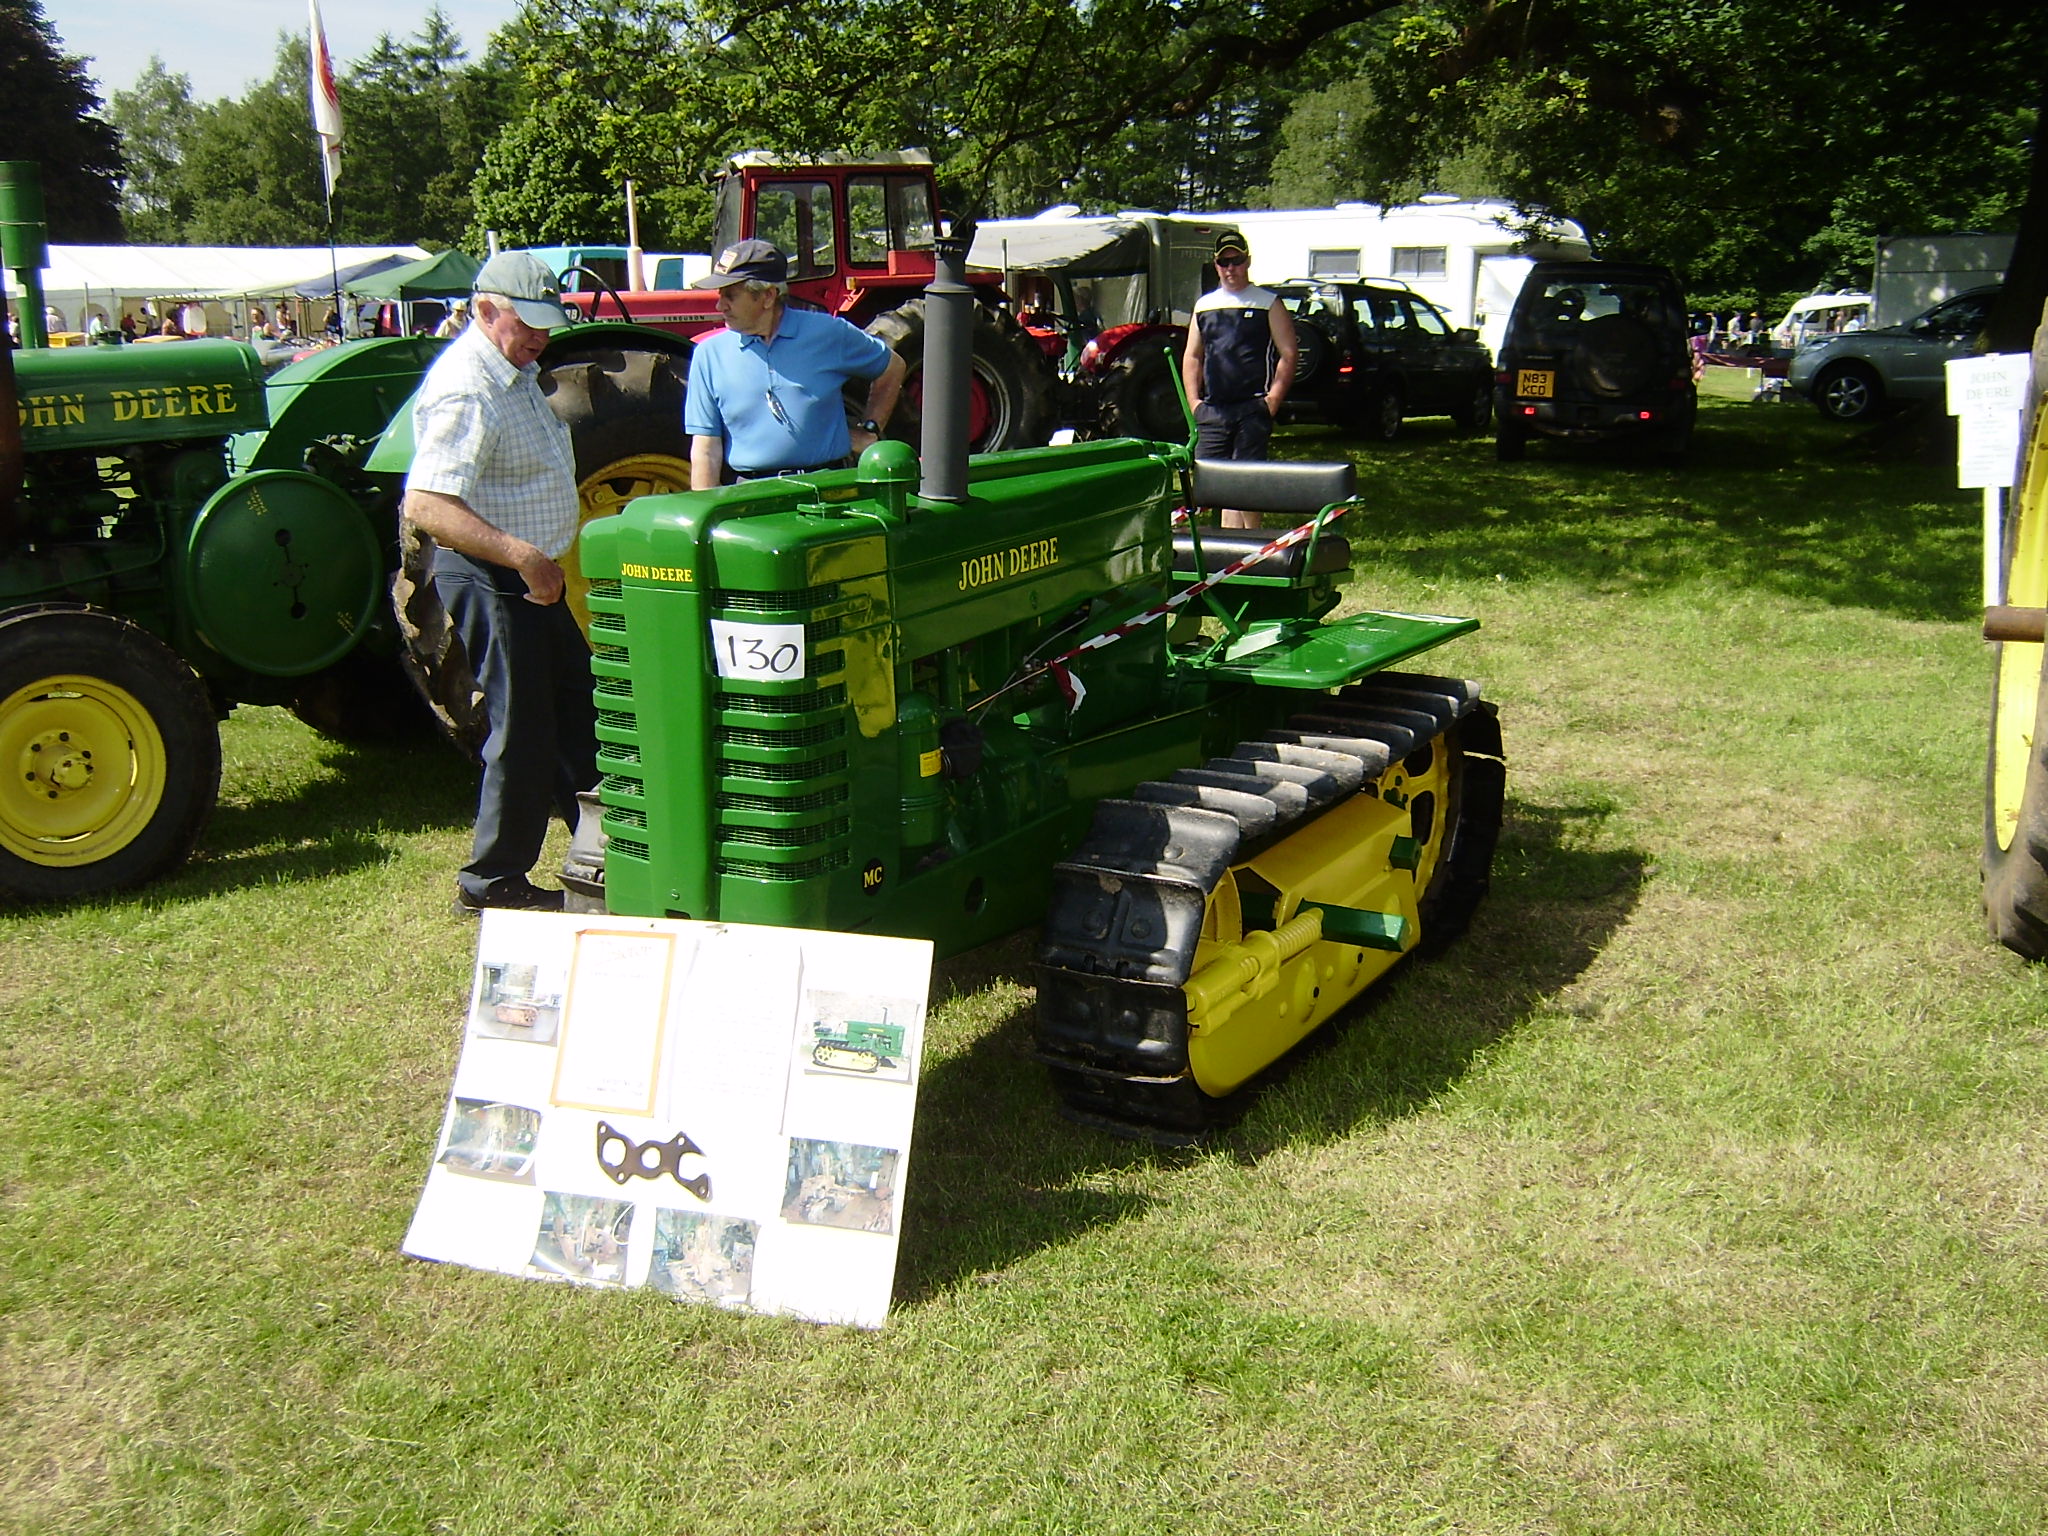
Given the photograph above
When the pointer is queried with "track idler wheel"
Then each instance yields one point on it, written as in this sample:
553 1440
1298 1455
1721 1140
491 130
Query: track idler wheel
1214 919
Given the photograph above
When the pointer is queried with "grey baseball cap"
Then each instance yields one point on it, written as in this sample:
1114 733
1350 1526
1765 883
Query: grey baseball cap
523 280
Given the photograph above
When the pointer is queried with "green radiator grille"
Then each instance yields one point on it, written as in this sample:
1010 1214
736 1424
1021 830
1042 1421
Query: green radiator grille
820 800
800 601
786 773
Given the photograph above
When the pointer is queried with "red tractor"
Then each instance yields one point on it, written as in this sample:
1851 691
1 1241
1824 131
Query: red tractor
859 238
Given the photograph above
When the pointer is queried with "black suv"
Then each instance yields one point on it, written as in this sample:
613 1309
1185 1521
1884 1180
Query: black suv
1374 353
1596 350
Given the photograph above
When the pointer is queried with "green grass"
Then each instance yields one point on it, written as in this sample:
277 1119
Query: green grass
1700 1189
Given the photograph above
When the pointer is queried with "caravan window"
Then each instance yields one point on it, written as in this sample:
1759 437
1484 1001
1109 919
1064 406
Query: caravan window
1420 260
1333 263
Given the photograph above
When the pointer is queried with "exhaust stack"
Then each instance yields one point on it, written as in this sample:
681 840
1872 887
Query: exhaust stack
948 368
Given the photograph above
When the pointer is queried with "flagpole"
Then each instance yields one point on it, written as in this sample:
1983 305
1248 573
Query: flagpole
325 100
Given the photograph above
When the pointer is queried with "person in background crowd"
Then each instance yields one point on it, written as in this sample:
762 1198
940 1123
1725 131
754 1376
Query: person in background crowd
1238 365
764 395
493 482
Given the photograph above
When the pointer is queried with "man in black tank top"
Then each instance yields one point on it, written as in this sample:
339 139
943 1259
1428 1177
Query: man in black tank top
1238 365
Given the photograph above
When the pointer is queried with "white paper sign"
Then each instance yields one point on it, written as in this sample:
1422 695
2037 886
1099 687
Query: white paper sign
721 1113
1987 448
1987 385
761 653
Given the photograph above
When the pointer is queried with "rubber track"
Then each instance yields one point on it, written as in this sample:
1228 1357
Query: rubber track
1127 907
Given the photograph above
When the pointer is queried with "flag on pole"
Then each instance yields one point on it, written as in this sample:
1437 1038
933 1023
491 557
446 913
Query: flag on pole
326 100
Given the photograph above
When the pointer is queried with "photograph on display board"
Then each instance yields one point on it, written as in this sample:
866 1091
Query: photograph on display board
488 1140
518 1001
855 1035
582 1237
703 1258
840 1184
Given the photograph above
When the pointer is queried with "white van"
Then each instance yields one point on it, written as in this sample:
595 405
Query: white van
1818 315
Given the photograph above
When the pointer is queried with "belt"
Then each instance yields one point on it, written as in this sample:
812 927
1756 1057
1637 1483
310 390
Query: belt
802 469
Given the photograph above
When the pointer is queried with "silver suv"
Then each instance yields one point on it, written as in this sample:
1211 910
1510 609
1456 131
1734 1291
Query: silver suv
1854 375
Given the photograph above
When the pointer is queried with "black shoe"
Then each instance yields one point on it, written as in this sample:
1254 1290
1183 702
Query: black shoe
508 896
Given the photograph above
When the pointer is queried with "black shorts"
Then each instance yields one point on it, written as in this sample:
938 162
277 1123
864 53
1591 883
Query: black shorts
1240 430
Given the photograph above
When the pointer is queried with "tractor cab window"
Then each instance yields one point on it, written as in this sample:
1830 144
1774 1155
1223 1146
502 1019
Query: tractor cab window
796 218
884 214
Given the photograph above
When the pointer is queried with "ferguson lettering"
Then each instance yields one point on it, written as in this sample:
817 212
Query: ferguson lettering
1003 564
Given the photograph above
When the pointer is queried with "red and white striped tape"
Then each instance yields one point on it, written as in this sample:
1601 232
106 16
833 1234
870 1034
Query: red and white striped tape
1073 690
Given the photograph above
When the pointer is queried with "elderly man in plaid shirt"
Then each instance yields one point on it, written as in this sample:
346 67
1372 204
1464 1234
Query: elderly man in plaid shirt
493 480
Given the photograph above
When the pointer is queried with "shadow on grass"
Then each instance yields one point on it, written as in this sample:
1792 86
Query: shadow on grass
1771 497
341 820
1000 1176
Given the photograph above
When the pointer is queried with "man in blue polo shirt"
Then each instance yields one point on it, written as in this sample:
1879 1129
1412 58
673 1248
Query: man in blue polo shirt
764 395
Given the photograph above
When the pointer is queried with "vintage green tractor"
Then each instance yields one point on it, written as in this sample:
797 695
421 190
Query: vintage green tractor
146 586
179 535
955 699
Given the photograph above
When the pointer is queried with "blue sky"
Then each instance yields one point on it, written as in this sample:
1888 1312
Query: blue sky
225 44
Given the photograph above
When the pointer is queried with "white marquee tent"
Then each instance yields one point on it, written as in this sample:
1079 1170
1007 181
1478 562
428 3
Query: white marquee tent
83 278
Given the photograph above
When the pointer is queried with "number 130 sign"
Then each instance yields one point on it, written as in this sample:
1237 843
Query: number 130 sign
762 652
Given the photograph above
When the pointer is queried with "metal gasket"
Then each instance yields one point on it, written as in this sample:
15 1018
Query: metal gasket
650 1159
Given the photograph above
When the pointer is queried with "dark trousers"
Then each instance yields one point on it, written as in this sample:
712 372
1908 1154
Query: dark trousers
533 666
1240 430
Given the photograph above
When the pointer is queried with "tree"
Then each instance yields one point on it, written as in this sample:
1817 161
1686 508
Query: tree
154 119
1668 130
49 113
250 170
418 126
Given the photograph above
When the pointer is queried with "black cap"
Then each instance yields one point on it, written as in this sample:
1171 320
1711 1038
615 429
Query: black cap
1230 240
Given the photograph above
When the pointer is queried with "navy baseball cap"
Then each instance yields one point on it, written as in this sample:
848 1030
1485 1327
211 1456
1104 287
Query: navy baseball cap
751 261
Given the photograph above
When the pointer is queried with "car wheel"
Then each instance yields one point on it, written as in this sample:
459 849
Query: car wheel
1849 392
1476 411
1380 416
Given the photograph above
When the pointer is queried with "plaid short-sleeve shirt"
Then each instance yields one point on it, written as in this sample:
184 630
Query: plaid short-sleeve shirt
482 432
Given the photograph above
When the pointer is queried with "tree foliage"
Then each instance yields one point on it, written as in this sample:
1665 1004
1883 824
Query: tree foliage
50 113
155 117
1747 142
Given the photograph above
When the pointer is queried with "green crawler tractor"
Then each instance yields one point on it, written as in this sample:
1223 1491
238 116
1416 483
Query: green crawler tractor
857 1047
950 698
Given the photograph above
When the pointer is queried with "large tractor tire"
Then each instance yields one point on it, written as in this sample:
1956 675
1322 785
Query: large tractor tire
2016 767
624 409
109 754
1136 394
1213 920
1011 404
366 699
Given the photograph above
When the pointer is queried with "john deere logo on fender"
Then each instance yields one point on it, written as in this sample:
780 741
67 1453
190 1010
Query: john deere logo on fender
1017 560
871 878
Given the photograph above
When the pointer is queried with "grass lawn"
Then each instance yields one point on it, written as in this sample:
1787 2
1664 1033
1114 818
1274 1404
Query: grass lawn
1700 1189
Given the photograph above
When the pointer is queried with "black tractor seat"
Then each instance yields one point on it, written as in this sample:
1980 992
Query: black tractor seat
1261 485
1227 546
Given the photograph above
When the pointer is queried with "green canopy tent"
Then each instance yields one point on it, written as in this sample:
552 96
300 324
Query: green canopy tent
446 276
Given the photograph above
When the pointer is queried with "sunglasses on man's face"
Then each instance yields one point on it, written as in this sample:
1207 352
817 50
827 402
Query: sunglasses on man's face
1230 261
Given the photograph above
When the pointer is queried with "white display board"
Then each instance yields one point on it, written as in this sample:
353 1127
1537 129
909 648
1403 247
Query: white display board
720 1112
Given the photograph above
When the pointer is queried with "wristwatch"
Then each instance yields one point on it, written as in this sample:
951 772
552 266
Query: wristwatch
872 427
